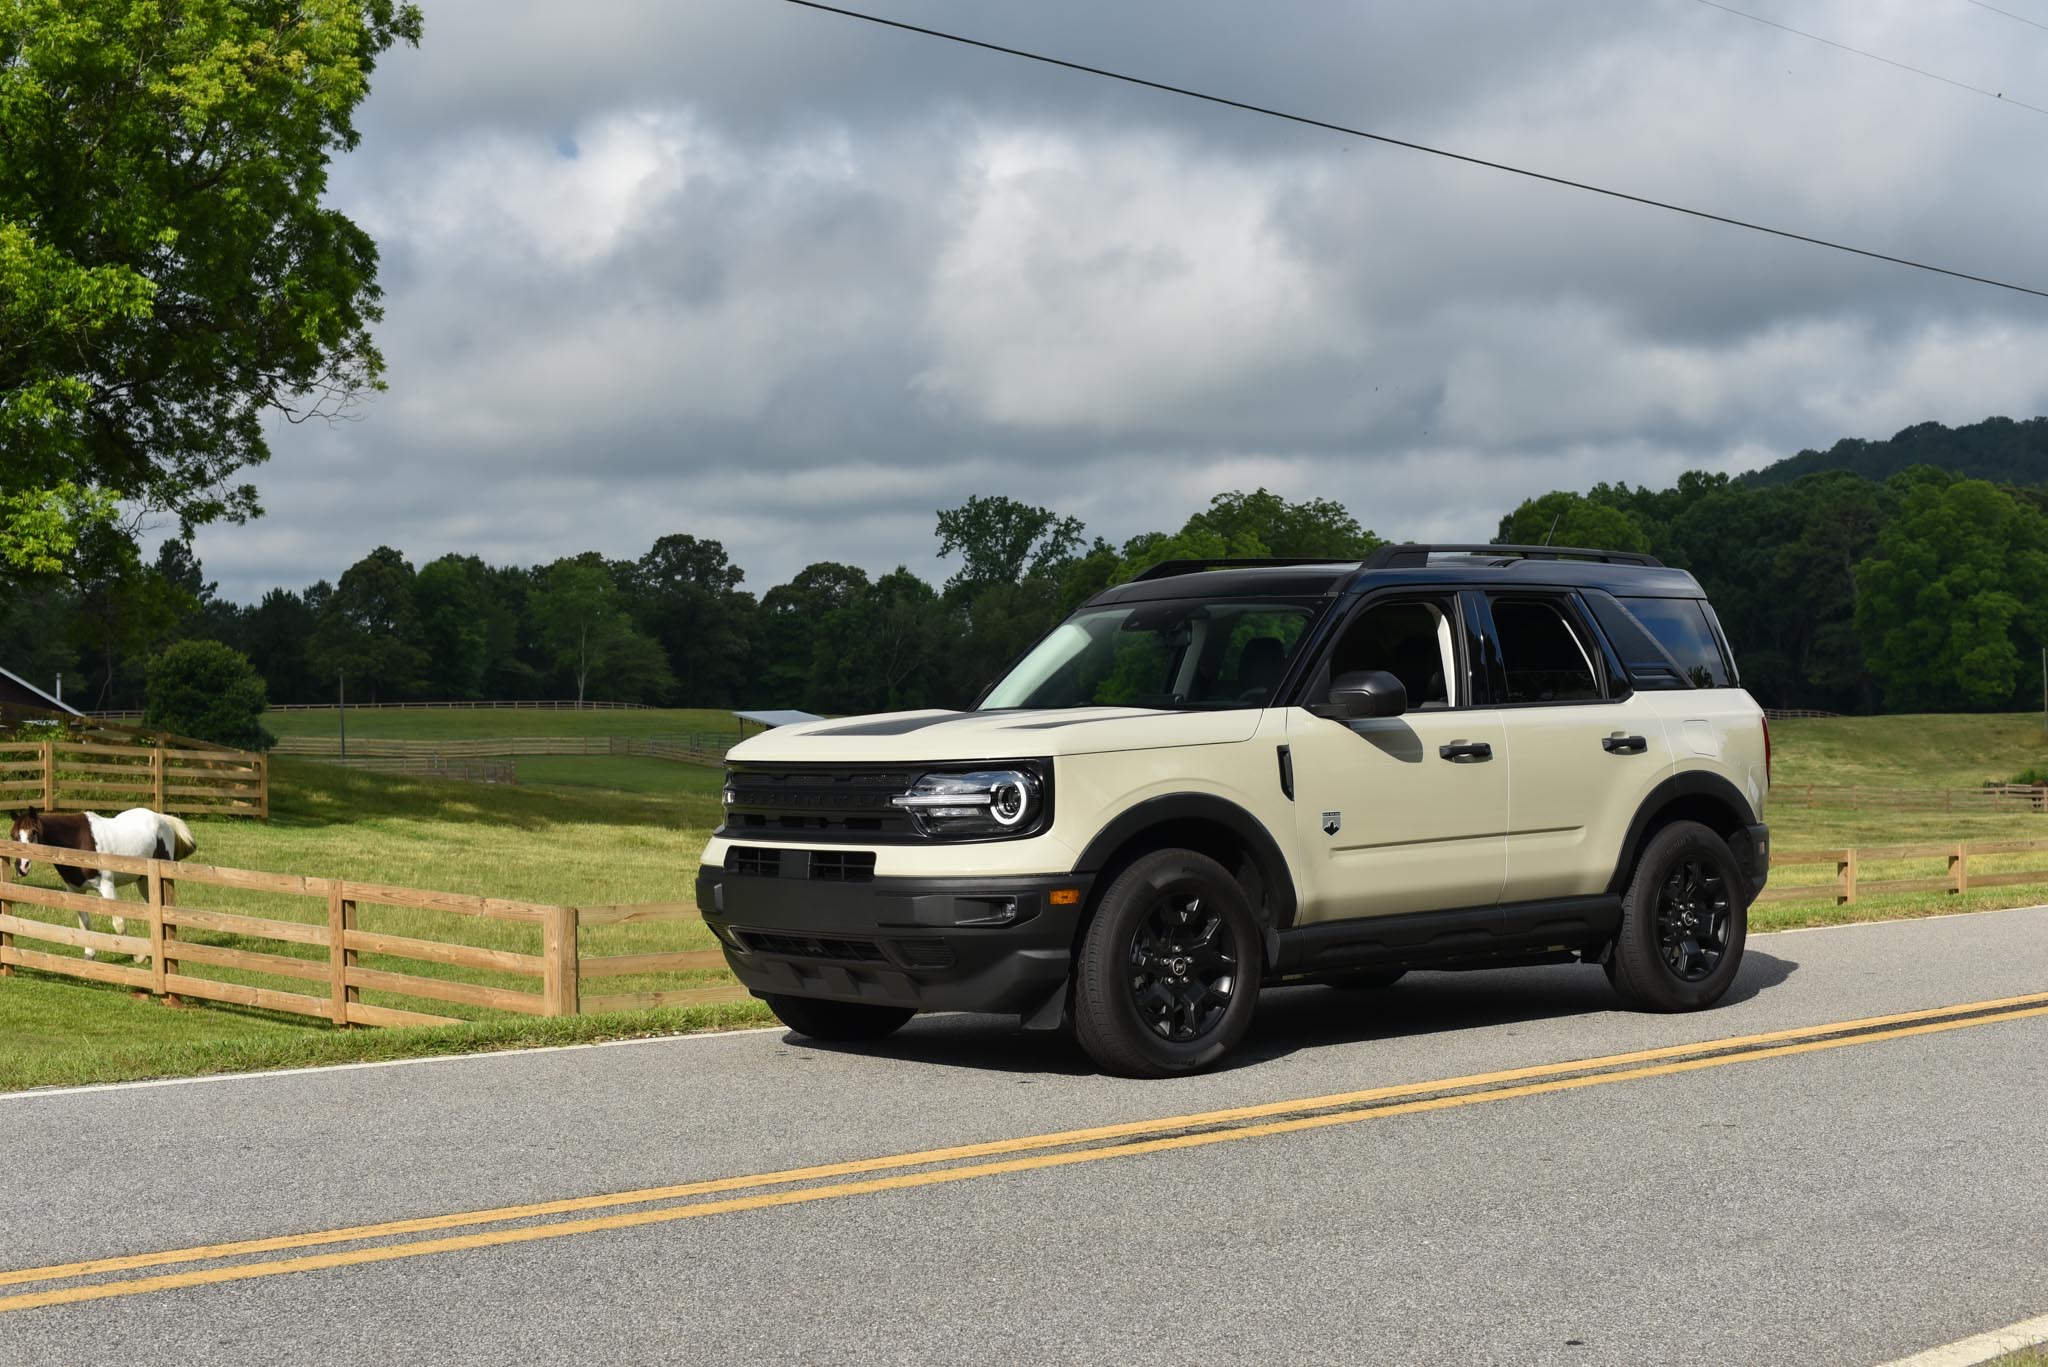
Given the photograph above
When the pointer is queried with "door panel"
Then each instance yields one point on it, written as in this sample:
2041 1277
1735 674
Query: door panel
1571 796
1415 831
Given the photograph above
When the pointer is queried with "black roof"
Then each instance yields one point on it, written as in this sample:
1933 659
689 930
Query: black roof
1420 566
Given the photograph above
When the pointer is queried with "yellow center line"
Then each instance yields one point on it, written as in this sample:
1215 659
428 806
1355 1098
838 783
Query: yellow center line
902 1181
957 1153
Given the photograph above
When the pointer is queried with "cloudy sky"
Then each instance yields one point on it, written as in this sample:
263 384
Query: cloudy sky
754 272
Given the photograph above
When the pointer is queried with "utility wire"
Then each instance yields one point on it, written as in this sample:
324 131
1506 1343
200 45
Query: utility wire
1419 147
1998 95
2010 15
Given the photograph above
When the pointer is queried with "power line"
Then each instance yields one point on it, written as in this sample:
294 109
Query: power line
1998 95
1419 147
2010 15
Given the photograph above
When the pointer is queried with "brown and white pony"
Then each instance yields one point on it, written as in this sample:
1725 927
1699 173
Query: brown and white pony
138 832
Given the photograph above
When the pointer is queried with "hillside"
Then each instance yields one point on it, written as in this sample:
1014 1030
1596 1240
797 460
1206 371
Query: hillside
1997 449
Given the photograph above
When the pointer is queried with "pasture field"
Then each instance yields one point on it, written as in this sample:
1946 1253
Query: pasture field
476 723
603 829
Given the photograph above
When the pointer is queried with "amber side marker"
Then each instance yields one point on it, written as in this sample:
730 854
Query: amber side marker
1066 897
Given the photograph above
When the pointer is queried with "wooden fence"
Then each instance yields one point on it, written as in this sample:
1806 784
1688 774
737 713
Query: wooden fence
111 775
337 978
1849 885
545 705
1992 798
695 747
468 769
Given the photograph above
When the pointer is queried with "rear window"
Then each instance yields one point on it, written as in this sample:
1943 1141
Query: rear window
1681 626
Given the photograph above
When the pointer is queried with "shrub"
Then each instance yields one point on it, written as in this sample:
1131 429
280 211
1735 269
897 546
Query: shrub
207 691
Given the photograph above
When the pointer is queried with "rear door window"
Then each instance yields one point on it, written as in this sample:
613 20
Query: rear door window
1681 627
1541 655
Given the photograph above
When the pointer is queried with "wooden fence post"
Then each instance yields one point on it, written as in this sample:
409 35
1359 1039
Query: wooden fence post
156 774
155 887
559 972
49 775
1959 867
262 787
6 909
1845 874
164 935
337 955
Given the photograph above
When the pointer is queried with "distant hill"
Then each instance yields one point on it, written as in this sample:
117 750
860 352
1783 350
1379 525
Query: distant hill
1997 449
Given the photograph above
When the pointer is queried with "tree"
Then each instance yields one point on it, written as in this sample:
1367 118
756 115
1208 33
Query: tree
275 633
1316 527
1954 605
456 611
168 275
686 596
1562 518
587 633
207 691
370 629
1001 541
787 662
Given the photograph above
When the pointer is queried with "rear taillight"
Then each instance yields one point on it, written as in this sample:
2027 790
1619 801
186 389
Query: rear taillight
1767 752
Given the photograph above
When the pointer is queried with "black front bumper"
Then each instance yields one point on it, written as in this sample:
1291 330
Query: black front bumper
958 944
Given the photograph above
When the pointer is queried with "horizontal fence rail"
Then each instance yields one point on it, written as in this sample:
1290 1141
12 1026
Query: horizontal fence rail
1994 797
323 956
1850 884
521 704
61 775
694 747
468 769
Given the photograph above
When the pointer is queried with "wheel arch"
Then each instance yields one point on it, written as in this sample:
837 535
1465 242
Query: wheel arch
1209 825
1695 795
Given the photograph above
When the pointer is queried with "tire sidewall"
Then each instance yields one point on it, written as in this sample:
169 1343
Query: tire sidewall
1107 1018
1641 971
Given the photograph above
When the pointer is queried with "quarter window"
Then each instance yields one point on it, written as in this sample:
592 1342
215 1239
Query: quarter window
1542 656
1680 626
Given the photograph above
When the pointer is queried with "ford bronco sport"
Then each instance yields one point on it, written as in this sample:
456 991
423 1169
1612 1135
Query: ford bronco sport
1223 775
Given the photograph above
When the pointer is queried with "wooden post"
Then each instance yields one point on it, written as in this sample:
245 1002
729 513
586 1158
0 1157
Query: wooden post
263 787
49 775
1845 871
6 909
1959 868
164 935
337 956
559 969
155 892
156 774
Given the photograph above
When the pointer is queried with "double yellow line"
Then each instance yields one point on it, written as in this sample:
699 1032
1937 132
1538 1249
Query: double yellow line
388 1241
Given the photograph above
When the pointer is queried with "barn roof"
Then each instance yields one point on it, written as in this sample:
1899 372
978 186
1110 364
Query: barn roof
17 690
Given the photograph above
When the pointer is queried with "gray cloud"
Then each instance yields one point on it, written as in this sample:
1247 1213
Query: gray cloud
756 273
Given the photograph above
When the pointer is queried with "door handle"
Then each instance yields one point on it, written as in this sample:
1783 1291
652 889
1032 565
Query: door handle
1624 745
1460 751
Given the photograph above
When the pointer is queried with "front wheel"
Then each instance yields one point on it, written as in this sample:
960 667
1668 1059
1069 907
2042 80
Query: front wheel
840 1022
1168 972
1683 922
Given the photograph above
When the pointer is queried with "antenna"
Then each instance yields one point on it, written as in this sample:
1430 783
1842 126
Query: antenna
1553 527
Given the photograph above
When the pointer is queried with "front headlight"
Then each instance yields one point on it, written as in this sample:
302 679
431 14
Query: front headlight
983 802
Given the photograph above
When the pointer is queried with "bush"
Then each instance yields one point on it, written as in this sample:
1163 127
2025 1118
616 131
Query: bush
207 691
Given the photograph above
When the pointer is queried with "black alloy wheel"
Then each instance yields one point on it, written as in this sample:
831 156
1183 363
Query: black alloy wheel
1684 920
1184 968
1692 919
1167 973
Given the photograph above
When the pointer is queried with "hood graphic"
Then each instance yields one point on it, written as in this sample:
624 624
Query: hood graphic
1020 734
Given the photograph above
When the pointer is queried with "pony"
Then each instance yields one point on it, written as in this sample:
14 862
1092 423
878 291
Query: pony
137 832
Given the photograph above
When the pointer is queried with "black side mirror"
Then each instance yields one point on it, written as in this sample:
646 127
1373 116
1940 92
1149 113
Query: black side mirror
1366 693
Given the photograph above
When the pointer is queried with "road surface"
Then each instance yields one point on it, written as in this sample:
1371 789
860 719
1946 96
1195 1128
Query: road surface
1433 1173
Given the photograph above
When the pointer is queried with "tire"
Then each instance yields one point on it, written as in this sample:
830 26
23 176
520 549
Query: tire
842 1022
1168 973
1684 919
1366 979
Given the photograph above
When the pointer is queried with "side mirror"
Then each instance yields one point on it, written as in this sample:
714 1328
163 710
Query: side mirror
1366 693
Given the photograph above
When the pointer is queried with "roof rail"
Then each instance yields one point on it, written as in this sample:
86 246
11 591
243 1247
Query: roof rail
1414 555
1168 568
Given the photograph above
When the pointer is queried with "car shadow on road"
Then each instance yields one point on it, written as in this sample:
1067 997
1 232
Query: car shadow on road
1292 1019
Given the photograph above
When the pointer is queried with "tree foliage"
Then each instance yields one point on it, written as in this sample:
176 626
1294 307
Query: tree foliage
207 691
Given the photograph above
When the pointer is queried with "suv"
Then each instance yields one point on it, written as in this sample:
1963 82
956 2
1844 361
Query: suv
1229 774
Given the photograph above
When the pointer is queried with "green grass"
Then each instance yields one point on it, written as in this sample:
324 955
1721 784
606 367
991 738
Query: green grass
604 829
492 722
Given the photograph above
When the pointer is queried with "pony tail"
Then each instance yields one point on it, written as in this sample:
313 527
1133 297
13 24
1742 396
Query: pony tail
182 842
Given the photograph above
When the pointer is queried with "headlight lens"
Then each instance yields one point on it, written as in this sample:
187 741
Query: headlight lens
984 802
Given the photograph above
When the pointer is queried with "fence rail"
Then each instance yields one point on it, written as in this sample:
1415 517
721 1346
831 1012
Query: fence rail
1849 884
1996 797
1796 713
337 980
469 769
696 747
544 705
55 774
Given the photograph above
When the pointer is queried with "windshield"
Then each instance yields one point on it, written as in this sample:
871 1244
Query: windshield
1175 653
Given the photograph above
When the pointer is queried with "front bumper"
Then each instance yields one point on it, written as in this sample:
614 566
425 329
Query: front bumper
931 944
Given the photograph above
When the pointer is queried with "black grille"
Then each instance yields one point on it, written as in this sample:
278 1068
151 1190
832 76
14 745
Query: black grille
823 866
813 947
823 801
925 953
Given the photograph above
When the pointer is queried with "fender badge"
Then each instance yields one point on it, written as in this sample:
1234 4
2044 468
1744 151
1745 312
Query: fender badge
1331 822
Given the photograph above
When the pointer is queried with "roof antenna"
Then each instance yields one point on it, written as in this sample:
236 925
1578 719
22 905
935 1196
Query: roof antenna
1553 527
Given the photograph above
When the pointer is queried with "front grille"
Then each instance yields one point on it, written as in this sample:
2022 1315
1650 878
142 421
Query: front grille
819 800
813 947
822 866
925 953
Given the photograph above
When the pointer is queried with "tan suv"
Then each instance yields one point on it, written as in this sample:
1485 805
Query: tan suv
1224 775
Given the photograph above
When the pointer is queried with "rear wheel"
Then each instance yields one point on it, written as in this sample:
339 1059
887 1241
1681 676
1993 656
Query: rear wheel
1683 922
837 1021
1168 972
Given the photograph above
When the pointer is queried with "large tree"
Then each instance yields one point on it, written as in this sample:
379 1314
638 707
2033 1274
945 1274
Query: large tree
687 596
169 278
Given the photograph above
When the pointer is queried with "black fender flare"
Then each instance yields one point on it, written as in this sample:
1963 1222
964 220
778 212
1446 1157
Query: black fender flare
1693 783
1265 851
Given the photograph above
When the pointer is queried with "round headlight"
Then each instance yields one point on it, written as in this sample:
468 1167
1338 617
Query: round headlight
982 802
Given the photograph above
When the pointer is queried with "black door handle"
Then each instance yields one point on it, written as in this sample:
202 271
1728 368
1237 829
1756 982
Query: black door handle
1624 745
1465 750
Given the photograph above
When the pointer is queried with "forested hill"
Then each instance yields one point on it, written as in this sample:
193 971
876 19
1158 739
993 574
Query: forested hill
1997 449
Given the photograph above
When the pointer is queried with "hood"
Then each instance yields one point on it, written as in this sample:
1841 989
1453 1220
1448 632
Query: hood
1023 734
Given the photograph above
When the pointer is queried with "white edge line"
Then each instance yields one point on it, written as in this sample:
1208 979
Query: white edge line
35 1093
1981 1348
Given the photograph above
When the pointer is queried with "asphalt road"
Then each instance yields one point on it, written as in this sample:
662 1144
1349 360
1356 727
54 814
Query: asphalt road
1809 1200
